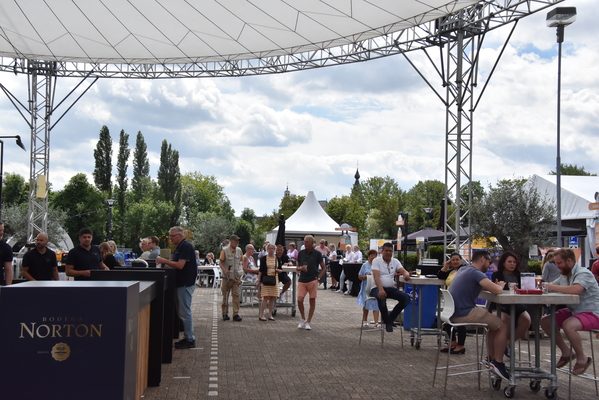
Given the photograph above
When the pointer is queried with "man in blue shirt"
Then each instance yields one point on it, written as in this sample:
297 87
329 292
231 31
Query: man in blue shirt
183 260
583 316
465 288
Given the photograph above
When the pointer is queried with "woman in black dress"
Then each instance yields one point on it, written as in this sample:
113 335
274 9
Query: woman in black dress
508 270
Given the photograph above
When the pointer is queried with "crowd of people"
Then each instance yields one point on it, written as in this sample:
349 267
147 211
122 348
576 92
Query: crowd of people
265 270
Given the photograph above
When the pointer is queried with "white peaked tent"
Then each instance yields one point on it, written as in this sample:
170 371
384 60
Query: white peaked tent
310 219
577 193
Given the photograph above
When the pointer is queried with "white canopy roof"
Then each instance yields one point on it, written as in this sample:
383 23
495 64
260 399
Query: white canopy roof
310 218
577 193
184 31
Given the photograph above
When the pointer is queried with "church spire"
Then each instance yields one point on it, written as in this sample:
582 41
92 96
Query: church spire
286 193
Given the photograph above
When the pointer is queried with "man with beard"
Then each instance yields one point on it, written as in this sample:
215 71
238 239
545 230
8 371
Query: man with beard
39 264
465 288
583 316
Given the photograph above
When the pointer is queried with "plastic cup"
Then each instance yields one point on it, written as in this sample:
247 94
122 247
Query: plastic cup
512 286
545 287
418 272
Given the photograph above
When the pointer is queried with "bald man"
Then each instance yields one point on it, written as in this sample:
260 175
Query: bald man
39 263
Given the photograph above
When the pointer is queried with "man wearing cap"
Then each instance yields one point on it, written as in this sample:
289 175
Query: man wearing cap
183 261
230 265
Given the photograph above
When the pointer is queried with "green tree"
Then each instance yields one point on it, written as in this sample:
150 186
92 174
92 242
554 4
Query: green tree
121 189
514 213
103 162
289 205
569 169
84 206
250 216
384 195
209 231
141 168
243 229
14 190
425 194
15 218
169 179
203 194
347 209
148 217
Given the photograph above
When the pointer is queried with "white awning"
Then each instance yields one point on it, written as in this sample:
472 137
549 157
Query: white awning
177 31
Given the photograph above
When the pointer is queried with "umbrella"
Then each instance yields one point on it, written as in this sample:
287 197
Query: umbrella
281 233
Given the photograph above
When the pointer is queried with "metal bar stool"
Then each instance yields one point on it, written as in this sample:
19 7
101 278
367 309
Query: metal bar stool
588 376
446 314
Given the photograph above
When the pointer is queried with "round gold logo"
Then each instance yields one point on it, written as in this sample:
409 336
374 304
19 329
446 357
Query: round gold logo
61 351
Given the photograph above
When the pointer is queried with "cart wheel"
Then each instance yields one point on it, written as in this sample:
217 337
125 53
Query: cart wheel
411 342
274 313
535 386
550 394
496 382
509 391
418 345
293 313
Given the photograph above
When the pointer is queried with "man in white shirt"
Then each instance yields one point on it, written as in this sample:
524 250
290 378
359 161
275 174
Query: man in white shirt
384 270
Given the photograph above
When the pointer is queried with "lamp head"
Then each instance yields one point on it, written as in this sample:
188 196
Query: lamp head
110 202
20 143
561 16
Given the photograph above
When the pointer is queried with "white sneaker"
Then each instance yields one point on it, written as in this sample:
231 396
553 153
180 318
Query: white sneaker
339 291
365 324
348 292
302 324
308 327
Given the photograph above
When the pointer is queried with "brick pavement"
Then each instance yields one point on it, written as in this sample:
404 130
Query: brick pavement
275 360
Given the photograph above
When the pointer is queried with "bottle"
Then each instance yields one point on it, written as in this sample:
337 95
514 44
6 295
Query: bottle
399 233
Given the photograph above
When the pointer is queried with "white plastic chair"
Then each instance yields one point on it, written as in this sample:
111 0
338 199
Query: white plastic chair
369 286
446 314
218 280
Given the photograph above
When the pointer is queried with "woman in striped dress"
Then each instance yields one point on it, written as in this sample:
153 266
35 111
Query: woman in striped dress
270 265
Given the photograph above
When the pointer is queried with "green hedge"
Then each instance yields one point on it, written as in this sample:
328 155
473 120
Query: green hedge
534 266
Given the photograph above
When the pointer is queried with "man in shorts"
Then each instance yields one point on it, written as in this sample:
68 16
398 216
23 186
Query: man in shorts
583 316
308 261
465 288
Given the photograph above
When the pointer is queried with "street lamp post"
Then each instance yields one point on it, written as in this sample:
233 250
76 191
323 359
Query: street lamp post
110 203
428 211
559 18
20 144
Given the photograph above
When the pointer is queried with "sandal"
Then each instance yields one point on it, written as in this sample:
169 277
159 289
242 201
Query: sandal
564 360
580 369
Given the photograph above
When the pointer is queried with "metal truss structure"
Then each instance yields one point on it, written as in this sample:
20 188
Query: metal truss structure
458 37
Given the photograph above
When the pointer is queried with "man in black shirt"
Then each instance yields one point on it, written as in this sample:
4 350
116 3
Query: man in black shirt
308 261
84 257
39 264
5 258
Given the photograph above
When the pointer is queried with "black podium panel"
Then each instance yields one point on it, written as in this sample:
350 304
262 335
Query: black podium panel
69 340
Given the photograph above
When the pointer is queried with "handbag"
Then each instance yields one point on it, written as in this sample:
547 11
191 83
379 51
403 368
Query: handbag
269 280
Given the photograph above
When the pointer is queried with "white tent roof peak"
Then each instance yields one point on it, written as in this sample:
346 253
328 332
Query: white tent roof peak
577 193
310 217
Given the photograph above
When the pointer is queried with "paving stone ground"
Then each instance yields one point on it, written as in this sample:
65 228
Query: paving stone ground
275 360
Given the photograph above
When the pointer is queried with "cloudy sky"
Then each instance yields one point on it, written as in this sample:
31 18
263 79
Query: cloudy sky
310 129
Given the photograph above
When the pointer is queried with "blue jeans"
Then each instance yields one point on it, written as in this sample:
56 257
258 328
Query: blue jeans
184 295
392 293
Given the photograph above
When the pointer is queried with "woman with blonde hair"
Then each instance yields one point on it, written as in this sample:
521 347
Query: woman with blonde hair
549 270
268 280
108 256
